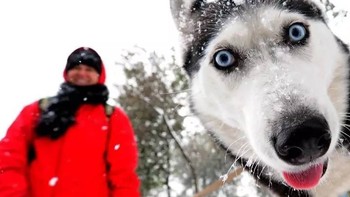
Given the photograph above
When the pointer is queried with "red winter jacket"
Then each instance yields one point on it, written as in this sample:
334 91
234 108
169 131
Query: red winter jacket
74 165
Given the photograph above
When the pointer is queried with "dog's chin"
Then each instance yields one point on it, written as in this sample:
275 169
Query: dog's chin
306 179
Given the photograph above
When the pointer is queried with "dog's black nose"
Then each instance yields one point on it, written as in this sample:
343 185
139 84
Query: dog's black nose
304 142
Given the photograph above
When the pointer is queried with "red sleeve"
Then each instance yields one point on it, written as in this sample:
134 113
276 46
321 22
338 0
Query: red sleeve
13 154
122 157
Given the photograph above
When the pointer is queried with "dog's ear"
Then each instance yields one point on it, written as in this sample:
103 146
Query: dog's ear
184 13
196 21
188 13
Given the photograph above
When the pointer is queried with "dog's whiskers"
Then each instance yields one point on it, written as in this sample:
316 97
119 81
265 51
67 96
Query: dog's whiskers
238 156
245 149
243 137
255 165
262 170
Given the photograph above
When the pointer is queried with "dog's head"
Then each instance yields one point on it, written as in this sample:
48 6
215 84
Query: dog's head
269 79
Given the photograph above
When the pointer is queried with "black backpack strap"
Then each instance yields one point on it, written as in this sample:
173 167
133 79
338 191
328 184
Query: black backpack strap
109 109
44 103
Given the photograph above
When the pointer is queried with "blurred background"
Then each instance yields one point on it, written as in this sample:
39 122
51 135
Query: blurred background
139 45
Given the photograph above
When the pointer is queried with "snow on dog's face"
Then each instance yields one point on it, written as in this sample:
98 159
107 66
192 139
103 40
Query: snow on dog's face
268 78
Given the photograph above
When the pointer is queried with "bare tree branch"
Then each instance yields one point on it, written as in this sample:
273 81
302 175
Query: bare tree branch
171 132
188 160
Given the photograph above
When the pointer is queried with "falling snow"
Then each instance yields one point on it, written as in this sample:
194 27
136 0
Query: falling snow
117 146
53 181
104 128
224 178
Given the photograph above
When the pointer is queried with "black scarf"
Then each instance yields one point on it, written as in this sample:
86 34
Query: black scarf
59 115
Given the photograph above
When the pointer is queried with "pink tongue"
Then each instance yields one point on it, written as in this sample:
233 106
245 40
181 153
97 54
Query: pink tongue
306 179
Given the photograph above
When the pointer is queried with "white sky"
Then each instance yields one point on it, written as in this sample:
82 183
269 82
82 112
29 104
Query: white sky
36 36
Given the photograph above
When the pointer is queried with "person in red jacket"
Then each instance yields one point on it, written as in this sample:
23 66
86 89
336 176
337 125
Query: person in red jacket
71 148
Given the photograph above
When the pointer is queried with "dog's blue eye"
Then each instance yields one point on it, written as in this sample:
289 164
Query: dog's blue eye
297 32
224 59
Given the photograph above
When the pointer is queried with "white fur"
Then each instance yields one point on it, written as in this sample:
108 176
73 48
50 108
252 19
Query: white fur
237 106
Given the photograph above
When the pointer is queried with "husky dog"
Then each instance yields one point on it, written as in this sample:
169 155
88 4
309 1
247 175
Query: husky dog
270 81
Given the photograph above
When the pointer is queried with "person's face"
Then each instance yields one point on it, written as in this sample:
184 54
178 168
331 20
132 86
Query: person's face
82 75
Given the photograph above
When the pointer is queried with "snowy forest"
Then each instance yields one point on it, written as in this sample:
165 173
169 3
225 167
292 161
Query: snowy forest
177 156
